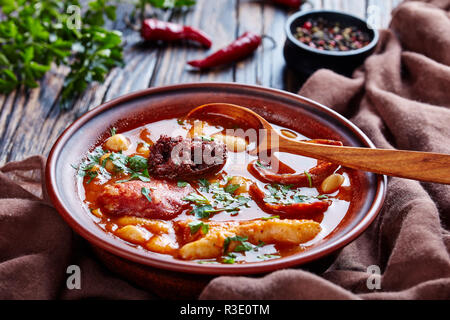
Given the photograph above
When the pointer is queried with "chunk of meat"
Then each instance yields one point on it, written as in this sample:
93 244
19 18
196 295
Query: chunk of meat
286 231
128 199
180 157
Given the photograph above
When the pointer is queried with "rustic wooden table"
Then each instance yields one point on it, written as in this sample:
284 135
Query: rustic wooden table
31 121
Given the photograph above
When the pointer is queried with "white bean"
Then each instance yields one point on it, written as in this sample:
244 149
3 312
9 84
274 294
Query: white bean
117 142
332 183
233 143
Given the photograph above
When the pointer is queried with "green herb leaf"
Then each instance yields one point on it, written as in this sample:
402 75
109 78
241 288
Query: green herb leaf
231 188
271 217
268 256
227 241
137 163
182 184
196 198
197 225
207 262
229 258
146 193
113 131
207 138
259 164
164 4
204 184
285 194
309 178
203 212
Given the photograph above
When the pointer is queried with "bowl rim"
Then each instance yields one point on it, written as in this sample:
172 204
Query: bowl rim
300 14
129 253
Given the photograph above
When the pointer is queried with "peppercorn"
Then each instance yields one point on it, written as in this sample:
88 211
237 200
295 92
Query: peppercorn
324 35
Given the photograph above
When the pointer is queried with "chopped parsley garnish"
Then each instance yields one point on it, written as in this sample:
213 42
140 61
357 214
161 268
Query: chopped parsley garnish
113 131
259 164
194 226
182 184
229 258
207 262
221 200
206 138
137 163
91 167
271 217
268 256
146 193
119 161
204 184
231 188
224 198
196 198
285 194
309 178
202 212
243 245
136 166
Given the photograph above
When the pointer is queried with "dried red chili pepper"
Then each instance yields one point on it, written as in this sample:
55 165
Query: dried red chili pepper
289 3
237 50
153 29
312 178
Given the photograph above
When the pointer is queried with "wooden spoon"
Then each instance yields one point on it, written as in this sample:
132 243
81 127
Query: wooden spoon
422 166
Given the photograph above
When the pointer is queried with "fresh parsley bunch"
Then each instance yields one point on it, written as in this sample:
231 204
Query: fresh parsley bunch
37 34
167 4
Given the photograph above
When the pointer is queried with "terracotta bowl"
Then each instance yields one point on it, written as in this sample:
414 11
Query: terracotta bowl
127 112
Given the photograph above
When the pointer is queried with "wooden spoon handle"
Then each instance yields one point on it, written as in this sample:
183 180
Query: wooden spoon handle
423 166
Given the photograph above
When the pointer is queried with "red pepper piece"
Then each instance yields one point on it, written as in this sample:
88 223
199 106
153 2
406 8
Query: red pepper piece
153 29
316 175
237 50
311 211
289 3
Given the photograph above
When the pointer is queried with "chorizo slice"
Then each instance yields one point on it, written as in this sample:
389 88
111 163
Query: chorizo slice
302 210
156 199
312 178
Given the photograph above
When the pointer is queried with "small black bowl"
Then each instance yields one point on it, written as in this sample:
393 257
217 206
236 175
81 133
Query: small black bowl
305 60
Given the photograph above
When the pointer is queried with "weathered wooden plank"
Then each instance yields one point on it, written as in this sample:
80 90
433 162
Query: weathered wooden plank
267 66
316 4
26 111
140 61
379 13
273 59
355 7
332 4
31 121
219 20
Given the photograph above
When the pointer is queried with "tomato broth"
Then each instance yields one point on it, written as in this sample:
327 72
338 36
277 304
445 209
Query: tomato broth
261 220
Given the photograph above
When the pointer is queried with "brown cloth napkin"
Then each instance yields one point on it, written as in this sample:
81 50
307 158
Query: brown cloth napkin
401 98
37 246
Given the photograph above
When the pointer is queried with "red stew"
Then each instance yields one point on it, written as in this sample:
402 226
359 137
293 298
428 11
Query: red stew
145 187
